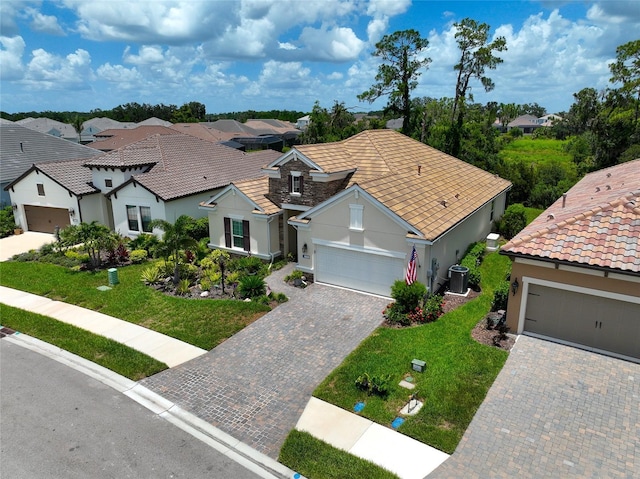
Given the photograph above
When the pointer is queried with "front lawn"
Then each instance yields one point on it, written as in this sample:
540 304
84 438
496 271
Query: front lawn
458 375
316 459
103 351
203 323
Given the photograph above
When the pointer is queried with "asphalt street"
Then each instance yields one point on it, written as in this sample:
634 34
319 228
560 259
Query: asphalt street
56 422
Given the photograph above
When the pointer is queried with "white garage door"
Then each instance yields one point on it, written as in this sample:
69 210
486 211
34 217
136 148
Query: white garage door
360 270
583 319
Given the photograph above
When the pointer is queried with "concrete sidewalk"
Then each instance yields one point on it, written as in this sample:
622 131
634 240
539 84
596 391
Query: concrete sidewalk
168 350
406 457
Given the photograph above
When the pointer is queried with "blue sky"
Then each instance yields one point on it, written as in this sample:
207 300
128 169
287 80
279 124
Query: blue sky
280 54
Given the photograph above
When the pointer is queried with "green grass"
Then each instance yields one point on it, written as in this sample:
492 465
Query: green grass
458 376
203 323
316 459
532 213
112 355
540 151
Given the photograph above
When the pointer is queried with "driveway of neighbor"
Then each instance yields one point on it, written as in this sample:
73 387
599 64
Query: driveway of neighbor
554 411
256 384
16 244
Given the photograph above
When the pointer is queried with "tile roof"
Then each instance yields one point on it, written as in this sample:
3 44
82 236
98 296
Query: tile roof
186 165
22 147
429 189
204 131
112 139
597 224
71 174
255 189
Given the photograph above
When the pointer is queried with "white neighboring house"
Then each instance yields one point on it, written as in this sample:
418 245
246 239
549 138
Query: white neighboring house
160 177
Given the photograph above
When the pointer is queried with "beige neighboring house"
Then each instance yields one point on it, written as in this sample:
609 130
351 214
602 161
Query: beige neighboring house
576 268
352 211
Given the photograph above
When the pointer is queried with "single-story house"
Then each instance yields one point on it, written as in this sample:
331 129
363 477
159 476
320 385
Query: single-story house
576 268
351 211
160 177
22 147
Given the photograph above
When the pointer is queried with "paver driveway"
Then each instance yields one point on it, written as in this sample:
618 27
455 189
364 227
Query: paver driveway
554 412
255 385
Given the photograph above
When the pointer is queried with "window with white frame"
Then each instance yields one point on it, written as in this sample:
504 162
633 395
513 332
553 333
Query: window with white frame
355 217
236 234
295 183
40 188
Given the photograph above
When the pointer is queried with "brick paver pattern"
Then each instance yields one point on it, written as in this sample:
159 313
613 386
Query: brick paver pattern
554 411
255 385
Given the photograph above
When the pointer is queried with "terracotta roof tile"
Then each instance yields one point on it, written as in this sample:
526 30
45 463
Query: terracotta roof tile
594 228
256 190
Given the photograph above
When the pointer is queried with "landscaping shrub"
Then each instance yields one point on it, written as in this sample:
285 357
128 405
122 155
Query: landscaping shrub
472 260
138 255
408 296
147 242
248 265
183 287
251 287
151 275
372 384
77 256
433 308
395 315
198 229
7 222
513 221
500 297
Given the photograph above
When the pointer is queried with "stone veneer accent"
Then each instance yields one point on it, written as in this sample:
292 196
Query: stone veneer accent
313 192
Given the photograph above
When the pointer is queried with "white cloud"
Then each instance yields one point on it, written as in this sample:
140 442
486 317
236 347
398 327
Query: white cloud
11 57
334 44
48 71
126 78
45 23
335 76
381 11
147 55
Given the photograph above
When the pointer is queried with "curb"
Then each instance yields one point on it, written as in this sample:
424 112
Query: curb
258 463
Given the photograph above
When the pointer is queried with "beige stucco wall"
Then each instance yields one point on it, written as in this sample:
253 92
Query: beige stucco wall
263 229
380 232
581 277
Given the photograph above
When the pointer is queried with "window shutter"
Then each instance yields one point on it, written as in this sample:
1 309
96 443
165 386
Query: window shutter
227 232
301 184
246 239
290 184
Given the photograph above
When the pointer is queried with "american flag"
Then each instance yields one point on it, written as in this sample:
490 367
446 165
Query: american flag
412 267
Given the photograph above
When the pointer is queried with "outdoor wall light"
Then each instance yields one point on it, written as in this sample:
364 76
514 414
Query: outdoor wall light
72 211
14 206
514 286
304 248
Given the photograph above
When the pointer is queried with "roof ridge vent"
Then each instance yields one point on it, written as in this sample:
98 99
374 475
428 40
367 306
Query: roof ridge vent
551 216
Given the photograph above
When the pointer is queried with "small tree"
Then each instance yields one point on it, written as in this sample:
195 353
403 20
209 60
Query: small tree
408 296
94 238
176 238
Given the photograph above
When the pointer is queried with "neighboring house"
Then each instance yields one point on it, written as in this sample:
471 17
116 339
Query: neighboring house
112 139
303 122
21 147
161 177
166 176
549 120
284 130
50 196
527 123
51 127
351 211
576 268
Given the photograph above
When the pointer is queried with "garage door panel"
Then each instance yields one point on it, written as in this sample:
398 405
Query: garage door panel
44 219
360 270
593 321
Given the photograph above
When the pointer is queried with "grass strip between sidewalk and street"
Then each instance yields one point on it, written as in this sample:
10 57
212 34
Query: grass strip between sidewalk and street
459 370
103 351
204 323
316 459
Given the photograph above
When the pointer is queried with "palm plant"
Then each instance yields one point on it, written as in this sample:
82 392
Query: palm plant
175 239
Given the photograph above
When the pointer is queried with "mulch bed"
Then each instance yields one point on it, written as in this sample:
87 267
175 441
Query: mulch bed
480 332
